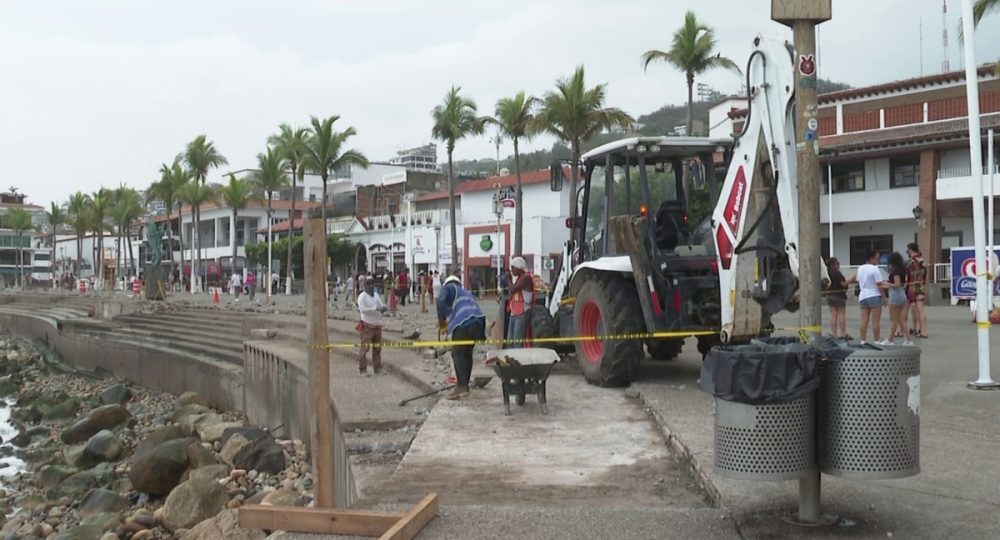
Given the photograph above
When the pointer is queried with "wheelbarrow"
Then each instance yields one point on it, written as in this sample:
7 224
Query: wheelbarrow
522 372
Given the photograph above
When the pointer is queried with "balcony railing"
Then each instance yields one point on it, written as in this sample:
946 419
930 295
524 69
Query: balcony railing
957 172
426 217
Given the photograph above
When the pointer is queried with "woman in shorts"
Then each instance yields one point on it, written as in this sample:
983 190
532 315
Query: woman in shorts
869 280
836 298
896 285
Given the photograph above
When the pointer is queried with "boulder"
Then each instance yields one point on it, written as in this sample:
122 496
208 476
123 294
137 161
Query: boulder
224 525
193 502
60 411
232 446
99 501
211 431
102 447
106 521
199 456
188 410
281 497
158 471
51 475
116 395
78 431
211 472
82 532
108 416
191 398
73 455
264 455
157 437
250 433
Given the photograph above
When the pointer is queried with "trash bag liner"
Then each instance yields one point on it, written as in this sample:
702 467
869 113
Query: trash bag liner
767 370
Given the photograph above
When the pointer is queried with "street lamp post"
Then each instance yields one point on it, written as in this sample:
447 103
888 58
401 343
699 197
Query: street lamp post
409 238
269 241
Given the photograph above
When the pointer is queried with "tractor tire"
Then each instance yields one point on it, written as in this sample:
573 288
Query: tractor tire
664 349
608 305
542 326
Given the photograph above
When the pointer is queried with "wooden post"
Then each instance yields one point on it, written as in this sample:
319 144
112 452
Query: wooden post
319 362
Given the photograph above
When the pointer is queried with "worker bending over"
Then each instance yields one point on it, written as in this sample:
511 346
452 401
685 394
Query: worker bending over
459 314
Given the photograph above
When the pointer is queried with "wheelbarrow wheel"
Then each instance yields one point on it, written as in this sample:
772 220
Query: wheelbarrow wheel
608 305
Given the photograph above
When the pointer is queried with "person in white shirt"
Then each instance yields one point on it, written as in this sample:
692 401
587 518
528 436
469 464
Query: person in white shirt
371 306
349 288
236 284
869 280
435 285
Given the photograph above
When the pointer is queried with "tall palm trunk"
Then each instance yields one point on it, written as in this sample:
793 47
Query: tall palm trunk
180 233
118 252
52 259
79 254
232 267
518 211
451 208
289 276
131 257
690 122
323 208
100 255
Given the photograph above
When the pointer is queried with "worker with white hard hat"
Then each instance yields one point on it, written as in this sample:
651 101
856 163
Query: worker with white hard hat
459 314
522 294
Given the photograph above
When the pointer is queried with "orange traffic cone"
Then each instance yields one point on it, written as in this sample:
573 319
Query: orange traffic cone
215 297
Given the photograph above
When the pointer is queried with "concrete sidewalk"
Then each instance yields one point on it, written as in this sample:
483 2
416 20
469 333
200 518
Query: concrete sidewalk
954 496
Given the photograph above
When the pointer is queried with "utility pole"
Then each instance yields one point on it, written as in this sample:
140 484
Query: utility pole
803 16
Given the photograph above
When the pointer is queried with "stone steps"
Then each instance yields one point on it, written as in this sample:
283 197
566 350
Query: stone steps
193 345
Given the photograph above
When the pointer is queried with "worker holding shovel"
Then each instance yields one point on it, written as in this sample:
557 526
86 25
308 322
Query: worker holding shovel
460 316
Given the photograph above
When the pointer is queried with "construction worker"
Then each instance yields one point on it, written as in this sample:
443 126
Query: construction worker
522 294
459 315
371 307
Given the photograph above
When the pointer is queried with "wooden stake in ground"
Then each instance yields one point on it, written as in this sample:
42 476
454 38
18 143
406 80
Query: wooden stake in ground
324 518
314 258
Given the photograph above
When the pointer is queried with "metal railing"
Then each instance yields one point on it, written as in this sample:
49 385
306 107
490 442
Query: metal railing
957 172
424 217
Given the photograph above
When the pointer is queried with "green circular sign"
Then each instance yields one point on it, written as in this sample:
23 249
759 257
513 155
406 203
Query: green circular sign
486 243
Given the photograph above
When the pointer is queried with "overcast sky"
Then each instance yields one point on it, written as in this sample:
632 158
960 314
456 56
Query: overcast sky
101 92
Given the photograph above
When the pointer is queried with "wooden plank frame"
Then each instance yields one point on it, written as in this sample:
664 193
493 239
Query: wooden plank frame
384 525
325 519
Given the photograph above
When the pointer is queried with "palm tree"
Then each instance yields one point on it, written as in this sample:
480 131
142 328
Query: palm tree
126 210
270 177
575 113
515 117
172 177
292 144
195 195
237 194
79 217
454 119
200 156
19 220
324 152
56 216
693 52
100 206
981 8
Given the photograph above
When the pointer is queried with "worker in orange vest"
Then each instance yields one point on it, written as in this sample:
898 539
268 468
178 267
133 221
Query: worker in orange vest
522 294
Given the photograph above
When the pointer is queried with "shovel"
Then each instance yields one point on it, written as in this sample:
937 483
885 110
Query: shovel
479 381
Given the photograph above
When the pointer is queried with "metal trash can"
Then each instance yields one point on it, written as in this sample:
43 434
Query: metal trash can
868 414
770 441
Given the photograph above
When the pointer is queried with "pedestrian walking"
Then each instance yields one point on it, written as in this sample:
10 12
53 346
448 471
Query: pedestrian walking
349 289
423 286
836 298
235 284
403 286
274 282
916 278
389 286
522 294
251 284
371 307
896 286
869 280
435 286
460 316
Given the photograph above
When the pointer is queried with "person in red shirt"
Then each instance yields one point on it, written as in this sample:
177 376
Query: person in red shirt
403 286
522 294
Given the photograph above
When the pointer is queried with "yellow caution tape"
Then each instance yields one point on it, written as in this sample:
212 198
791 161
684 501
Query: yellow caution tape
985 324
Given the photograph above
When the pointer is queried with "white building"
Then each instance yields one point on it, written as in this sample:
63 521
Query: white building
421 158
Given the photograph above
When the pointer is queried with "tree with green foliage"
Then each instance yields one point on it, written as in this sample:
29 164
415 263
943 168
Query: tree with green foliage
79 218
195 194
125 210
455 118
167 189
292 144
575 113
19 221
270 177
325 153
237 195
100 207
56 217
693 52
200 156
338 248
515 117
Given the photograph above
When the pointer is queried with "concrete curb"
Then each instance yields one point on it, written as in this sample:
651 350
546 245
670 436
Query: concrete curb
702 476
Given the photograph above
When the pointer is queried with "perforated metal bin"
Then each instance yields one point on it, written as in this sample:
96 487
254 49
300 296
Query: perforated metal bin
774 441
868 414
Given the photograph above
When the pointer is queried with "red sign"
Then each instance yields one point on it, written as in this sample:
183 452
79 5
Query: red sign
734 206
807 65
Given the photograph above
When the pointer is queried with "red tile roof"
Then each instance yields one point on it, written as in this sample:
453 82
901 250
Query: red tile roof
282 226
945 130
489 184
